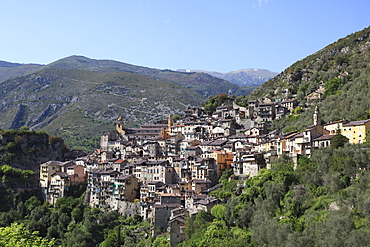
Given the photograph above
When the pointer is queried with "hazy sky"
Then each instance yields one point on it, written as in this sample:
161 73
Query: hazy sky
217 35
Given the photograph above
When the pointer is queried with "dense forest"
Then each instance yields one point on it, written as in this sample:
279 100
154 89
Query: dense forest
70 222
323 202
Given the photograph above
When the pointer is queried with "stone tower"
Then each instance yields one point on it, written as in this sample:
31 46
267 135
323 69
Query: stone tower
120 127
169 122
316 117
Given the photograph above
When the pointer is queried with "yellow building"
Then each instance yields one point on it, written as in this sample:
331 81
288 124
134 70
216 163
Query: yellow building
333 127
49 168
356 131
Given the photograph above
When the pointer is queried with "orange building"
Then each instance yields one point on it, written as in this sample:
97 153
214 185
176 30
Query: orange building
223 160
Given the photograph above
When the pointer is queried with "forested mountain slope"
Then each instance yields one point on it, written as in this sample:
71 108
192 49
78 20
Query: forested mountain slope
323 202
342 68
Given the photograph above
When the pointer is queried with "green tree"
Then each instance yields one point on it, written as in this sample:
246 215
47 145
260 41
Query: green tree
115 238
332 85
218 211
161 241
32 203
17 235
338 140
78 237
77 215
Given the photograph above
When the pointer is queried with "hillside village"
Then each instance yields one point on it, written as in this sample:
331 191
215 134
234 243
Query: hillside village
166 170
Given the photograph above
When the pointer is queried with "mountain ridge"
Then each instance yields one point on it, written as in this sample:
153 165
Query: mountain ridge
76 103
243 77
78 98
195 81
10 70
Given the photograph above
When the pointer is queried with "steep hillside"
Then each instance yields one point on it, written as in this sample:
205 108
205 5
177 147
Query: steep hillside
25 149
342 68
244 77
202 83
323 202
12 70
78 104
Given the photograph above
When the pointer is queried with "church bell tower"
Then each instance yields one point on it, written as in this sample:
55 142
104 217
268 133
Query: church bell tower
316 117
120 127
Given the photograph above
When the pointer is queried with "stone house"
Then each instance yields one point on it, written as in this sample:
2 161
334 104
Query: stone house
289 104
198 185
162 215
281 111
176 226
192 151
126 188
147 171
195 203
248 164
100 187
76 173
266 112
47 169
59 184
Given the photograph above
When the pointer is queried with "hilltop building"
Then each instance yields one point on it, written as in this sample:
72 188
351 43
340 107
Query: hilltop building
166 170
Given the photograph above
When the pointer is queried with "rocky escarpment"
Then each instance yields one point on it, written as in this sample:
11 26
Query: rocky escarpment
26 150
21 153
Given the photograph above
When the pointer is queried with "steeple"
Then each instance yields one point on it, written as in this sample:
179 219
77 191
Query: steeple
169 122
316 117
120 127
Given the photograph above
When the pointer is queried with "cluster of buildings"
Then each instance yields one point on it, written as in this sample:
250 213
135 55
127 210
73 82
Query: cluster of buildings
166 170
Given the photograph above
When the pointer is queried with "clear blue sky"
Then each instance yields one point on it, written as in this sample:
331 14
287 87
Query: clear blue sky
216 35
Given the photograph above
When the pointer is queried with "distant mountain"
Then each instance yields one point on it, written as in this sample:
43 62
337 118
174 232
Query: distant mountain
78 98
4 64
12 70
342 68
202 83
244 77
78 104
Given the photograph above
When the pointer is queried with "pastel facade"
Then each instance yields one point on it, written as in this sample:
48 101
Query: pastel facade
356 131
